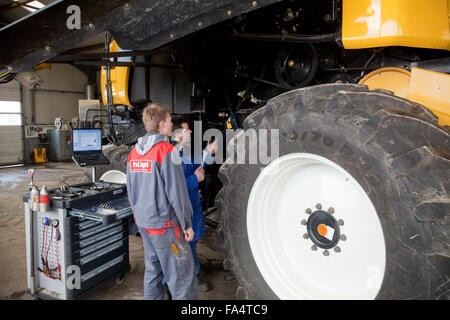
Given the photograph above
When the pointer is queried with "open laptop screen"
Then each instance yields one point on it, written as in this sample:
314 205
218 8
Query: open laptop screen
87 140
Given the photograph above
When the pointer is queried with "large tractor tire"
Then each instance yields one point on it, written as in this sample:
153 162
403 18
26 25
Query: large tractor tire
117 156
355 206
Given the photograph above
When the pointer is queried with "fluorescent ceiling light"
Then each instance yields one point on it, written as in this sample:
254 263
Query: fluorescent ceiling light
35 4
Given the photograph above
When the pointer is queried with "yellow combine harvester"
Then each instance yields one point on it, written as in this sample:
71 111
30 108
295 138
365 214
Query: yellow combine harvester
372 24
355 204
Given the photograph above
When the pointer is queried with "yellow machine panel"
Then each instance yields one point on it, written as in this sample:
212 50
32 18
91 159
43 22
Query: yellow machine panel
119 81
392 79
411 23
429 88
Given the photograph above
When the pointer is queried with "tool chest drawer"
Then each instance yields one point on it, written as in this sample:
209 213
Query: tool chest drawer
96 233
75 224
106 212
96 277
101 256
74 253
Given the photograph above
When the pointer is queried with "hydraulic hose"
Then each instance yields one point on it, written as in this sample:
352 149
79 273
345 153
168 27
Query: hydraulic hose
289 37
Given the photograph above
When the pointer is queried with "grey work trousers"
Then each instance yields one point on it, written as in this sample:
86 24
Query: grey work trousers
176 264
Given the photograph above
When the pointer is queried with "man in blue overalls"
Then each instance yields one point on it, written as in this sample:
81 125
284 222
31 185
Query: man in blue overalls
194 174
161 207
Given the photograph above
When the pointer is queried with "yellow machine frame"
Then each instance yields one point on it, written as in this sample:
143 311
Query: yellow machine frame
119 77
368 24
430 89
409 23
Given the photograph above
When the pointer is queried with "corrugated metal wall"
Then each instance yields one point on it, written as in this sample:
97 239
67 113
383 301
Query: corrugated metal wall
11 140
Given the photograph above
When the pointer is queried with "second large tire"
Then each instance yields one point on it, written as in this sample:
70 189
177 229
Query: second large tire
394 150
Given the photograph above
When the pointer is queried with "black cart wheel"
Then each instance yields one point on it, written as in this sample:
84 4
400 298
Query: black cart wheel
119 280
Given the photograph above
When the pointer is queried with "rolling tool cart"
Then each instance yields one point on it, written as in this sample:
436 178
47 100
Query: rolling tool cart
79 244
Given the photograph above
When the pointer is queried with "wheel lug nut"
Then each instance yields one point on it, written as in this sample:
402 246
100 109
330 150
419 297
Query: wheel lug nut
343 237
308 211
337 249
318 206
326 253
331 210
303 222
340 222
314 248
305 236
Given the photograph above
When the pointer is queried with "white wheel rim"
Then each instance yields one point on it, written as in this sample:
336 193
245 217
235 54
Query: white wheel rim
277 203
114 176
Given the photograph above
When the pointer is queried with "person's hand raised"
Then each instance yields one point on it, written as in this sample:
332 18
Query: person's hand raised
200 173
212 147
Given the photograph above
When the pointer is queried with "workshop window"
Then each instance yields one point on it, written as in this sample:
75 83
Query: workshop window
10 114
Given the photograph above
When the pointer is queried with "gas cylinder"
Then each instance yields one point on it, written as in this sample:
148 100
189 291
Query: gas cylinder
35 198
44 201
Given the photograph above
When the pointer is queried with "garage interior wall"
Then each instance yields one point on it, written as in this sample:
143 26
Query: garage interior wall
41 108
50 105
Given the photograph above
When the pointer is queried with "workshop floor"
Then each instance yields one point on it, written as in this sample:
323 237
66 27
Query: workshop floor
13 271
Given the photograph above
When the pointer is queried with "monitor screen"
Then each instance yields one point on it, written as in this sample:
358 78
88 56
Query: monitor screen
87 140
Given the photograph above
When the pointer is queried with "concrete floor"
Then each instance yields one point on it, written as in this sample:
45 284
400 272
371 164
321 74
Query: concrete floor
13 272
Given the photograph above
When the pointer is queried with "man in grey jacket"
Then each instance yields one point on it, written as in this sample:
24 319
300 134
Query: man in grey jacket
158 195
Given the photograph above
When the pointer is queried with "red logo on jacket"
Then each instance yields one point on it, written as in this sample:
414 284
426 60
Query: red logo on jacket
141 165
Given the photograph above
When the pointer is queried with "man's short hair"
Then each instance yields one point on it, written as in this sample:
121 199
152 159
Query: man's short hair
153 114
178 121
177 125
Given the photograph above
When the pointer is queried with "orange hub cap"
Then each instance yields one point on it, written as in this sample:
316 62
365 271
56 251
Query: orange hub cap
322 230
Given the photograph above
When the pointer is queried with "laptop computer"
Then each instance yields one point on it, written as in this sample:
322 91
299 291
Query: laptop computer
87 147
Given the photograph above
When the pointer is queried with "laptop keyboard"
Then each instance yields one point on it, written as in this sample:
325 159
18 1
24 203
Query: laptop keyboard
88 157
92 159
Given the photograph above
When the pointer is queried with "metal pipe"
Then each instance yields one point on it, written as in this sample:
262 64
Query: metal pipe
255 79
289 37
94 56
173 85
23 121
57 91
126 64
89 90
30 247
33 106
108 87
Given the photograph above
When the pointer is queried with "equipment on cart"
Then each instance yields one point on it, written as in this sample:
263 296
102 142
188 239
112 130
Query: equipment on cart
87 147
80 243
